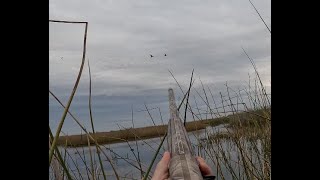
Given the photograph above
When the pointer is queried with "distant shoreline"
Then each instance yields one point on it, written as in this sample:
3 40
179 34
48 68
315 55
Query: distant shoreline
129 134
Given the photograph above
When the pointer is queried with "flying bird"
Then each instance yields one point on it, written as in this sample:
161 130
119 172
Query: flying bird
151 55
165 54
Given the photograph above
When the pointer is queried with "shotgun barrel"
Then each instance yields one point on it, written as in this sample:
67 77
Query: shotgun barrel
183 164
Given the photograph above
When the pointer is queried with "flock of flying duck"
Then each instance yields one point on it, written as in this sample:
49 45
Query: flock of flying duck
153 56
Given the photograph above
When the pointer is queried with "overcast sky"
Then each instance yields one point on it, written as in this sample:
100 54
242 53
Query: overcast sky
206 35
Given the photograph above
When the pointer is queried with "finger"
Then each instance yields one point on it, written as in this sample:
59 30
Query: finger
162 166
162 172
204 168
166 158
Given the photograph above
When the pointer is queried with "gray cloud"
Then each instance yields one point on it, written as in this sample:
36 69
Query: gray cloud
204 35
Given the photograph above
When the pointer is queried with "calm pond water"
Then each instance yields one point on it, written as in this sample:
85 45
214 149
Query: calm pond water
122 155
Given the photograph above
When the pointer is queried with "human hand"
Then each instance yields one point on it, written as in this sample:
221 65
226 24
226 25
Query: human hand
162 169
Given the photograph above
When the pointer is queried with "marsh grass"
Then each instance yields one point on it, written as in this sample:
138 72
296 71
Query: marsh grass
241 151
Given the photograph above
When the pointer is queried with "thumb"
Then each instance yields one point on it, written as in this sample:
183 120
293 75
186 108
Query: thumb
162 171
164 162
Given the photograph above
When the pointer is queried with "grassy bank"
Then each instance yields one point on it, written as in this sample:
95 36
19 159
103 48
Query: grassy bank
129 134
